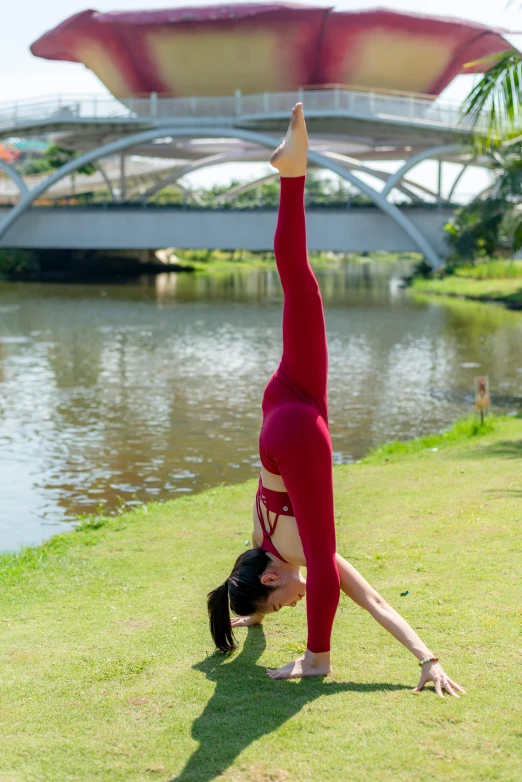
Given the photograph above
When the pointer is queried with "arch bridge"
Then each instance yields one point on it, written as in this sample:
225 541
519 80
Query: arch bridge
350 132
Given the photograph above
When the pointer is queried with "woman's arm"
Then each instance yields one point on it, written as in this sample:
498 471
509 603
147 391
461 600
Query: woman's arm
355 586
362 593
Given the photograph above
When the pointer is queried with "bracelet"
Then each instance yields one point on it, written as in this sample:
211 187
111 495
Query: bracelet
429 660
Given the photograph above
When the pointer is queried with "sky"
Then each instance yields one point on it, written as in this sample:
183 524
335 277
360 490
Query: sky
25 76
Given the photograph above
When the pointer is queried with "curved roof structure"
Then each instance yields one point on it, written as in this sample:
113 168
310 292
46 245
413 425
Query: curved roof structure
258 47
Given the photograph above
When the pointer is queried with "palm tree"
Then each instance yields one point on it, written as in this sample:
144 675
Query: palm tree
493 108
493 111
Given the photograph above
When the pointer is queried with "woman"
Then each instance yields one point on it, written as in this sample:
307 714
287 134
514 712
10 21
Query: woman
295 484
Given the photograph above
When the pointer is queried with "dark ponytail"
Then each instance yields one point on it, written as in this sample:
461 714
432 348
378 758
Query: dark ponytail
219 615
245 592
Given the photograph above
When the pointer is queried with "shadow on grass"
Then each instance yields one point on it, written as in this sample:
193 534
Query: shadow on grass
509 449
247 705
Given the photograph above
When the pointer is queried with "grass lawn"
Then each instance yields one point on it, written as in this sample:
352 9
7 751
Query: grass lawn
108 671
506 290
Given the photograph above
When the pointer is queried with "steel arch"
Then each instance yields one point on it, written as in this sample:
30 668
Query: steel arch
196 165
414 160
105 178
354 165
13 174
210 160
244 187
262 139
459 176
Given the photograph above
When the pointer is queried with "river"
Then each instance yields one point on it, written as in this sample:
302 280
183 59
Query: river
122 394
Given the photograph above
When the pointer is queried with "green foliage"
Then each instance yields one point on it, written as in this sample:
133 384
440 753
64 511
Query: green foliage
493 221
57 157
422 269
492 108
506 291
489 270
35 165
474 229
168 195
517 237
52 158
14 262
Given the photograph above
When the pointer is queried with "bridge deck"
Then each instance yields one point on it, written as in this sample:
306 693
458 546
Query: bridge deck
341 230
372 116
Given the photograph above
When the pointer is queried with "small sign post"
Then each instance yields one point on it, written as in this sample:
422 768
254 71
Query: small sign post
482 399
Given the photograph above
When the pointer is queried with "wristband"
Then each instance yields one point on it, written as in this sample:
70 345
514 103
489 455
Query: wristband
429 660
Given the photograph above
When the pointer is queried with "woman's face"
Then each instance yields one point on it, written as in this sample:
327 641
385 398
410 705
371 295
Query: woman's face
291 589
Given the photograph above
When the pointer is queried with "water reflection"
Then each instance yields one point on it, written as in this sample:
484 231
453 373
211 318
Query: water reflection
147 390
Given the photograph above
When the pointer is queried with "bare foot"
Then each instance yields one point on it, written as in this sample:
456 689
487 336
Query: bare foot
306 665
290 157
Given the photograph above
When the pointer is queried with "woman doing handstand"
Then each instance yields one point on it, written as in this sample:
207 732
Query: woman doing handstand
295 484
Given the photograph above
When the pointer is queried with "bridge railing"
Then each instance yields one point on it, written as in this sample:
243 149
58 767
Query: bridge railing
360 103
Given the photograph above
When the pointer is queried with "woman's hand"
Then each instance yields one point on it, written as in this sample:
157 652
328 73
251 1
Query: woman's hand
432 672
247 621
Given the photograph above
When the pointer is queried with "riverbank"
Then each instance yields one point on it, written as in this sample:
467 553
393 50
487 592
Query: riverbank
80 266
203 261
108 670
493 281
507 291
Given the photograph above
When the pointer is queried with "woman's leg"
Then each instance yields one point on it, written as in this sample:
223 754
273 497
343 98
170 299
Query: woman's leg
305 465
305 351
298 434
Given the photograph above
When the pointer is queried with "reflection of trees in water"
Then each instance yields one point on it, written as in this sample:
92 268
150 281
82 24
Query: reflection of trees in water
74 360
340 283
484 337
153 424
3 359
246 705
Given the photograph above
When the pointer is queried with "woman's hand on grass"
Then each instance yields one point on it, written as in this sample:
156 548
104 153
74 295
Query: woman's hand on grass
247 621
432 672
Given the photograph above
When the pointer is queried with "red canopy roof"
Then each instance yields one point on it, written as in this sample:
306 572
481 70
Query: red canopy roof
257 47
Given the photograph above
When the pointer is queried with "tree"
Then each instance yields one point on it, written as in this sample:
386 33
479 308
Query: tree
493 220
493 111
319 192
52 158
58 156
493 107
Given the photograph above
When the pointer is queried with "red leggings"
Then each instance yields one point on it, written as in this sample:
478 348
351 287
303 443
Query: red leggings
295 440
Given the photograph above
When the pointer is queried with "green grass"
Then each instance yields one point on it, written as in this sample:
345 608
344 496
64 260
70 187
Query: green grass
490 269
506 291
462 430
108 671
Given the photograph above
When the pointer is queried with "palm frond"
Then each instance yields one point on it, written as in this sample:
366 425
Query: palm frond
492 110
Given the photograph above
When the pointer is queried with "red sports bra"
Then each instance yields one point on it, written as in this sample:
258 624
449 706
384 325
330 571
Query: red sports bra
279 503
